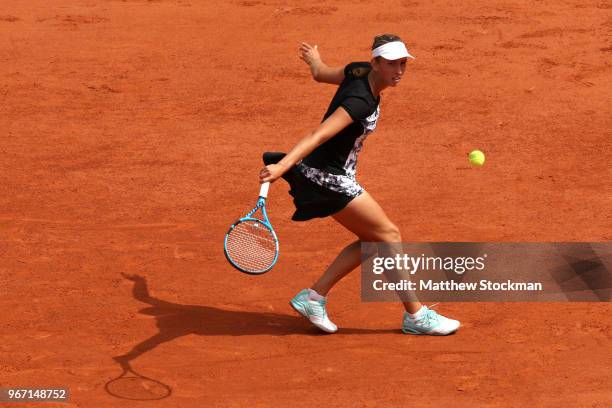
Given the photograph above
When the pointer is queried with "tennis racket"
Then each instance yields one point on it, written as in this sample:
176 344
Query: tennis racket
251 245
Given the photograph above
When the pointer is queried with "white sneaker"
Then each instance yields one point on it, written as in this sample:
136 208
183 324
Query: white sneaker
428 321
313 310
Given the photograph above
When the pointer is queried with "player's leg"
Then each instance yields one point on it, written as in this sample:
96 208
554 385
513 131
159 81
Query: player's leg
346 261
311 302
364 217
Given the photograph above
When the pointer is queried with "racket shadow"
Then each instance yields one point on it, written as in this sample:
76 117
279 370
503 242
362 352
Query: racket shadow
134 386
175 320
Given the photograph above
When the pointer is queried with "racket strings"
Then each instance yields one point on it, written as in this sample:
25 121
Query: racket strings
251 246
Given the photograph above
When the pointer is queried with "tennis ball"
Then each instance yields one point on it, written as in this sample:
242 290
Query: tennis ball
477 158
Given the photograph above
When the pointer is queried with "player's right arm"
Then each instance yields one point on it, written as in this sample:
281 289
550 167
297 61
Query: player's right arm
320 71
325 131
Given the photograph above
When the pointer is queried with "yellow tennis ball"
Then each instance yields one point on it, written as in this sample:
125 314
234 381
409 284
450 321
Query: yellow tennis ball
477 158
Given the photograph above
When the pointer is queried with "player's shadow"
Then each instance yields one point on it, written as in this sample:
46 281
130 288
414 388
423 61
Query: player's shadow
175 320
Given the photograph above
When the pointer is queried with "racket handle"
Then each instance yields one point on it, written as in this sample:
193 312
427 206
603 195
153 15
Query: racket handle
263 191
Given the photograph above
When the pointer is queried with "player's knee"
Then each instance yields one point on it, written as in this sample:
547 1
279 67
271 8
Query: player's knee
389 233
394 234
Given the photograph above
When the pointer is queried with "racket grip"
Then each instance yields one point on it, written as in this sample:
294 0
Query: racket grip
263 191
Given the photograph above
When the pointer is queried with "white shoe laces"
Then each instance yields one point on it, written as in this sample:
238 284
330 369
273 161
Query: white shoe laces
428 316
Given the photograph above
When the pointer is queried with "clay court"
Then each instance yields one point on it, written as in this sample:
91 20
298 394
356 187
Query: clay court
132 134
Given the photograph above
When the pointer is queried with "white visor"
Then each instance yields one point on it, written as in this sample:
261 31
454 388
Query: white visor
391 51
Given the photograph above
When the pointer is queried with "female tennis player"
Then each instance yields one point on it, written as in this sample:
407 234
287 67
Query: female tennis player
321 172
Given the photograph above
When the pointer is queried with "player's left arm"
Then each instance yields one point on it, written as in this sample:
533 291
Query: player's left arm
321 72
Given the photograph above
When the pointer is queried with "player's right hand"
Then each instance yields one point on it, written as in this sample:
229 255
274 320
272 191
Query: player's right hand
271 172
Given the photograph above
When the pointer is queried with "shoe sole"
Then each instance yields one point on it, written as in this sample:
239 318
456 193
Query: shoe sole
418 333
303 313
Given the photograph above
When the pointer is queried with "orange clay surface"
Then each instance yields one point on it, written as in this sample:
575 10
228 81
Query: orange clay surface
131 138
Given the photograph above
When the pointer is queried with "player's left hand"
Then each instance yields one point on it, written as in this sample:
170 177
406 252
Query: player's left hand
309 54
